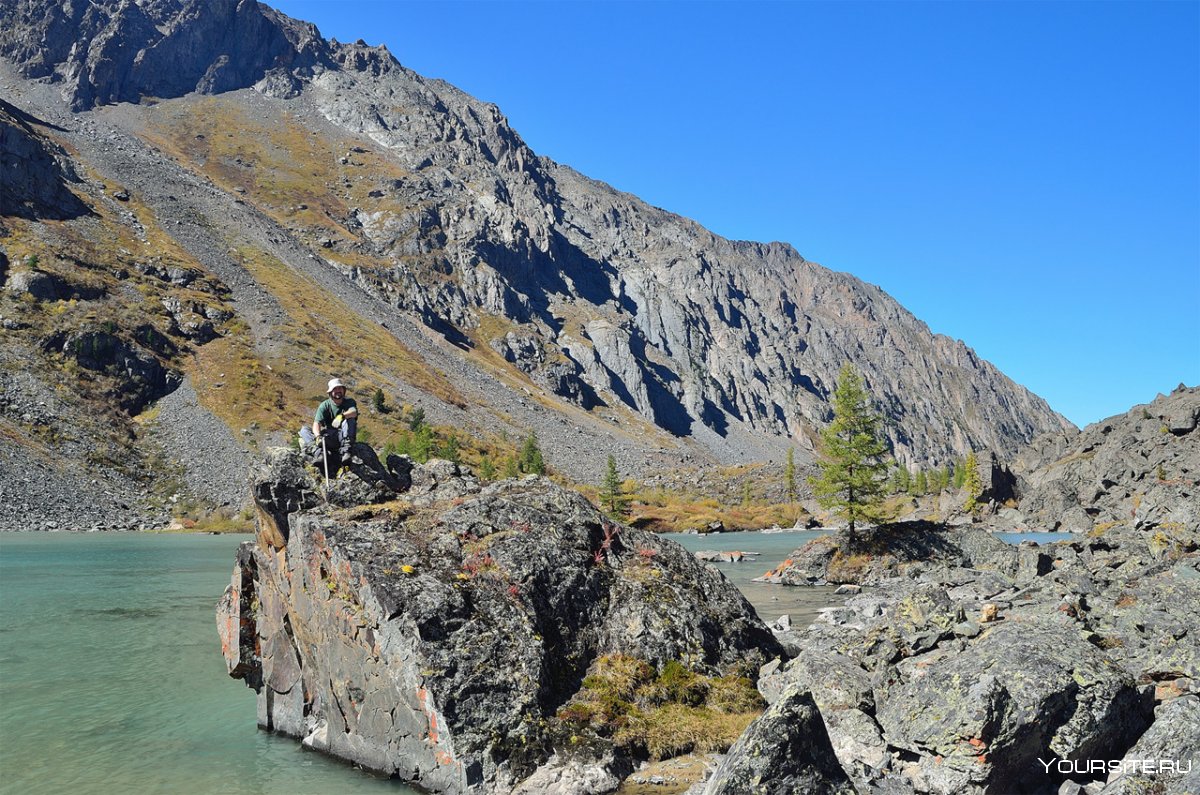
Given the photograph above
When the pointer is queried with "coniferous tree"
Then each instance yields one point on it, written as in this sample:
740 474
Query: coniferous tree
960 475
789 475
901 480
487 470
920 483
853 470
421 446
511 470
942 476
416 419
531 461
379 401
613 499
747 494
450 449
972 483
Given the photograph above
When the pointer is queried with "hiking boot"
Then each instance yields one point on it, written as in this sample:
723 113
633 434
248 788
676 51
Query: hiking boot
345 456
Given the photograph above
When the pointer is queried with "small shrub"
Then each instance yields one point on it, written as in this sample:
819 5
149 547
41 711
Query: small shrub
661 714
845 568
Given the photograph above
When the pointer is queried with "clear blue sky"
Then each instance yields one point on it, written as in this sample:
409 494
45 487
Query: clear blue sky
1024 176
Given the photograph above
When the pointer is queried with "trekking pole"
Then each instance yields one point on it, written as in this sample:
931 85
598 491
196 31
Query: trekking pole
325 460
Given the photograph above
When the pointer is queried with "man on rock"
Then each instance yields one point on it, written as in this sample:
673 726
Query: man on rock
336 420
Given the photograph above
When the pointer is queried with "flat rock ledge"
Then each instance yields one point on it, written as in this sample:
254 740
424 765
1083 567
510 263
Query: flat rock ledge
417 623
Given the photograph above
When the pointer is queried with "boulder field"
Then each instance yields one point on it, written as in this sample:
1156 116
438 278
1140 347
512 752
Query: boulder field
966 665
415 622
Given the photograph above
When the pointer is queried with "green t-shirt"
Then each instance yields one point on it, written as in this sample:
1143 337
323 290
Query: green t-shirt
328 410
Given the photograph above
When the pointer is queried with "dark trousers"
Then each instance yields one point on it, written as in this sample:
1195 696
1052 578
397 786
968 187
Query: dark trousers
337 440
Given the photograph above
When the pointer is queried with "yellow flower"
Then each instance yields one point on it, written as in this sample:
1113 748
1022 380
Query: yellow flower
407 569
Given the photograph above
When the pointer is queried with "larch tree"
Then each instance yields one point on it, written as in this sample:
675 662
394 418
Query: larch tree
853 476
789 475
972 483
531 460
613 499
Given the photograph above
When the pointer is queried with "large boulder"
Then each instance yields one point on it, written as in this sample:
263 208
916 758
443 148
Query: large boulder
437 642
138 377
786 750
1165 758
39 285
980 718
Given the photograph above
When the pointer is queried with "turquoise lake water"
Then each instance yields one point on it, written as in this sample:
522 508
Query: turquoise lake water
770 601
112 680
1040 538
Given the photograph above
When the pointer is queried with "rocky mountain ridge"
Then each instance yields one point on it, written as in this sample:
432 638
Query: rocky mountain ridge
1142 465
542 299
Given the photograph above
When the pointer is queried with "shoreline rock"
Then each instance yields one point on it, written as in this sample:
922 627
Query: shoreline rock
435 635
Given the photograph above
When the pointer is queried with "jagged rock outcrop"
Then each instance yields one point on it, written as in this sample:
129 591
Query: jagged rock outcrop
595 296
437 643
1141 466
124 51
36 172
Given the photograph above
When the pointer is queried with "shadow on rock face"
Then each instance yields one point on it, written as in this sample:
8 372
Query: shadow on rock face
37 173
